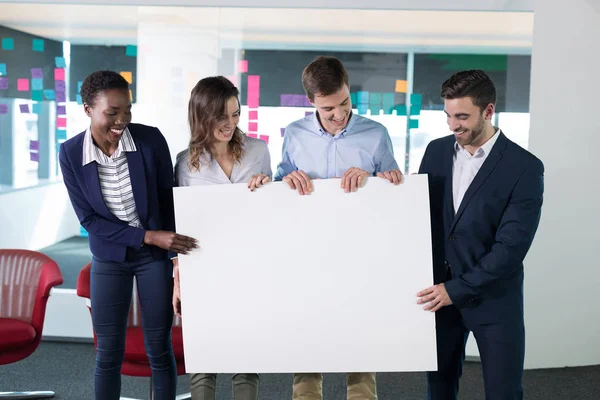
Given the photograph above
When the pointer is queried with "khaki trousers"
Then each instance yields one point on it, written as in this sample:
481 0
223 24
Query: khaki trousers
360 386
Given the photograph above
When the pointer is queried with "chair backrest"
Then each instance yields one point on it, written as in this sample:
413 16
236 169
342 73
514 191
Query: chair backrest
20 272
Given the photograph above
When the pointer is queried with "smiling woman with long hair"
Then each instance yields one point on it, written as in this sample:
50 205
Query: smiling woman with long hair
219 153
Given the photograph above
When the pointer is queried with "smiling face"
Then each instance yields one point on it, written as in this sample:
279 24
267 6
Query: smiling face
227 124
471 126
110 114
334 110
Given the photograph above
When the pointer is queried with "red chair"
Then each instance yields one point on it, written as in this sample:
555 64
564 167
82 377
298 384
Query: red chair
135 362
26 278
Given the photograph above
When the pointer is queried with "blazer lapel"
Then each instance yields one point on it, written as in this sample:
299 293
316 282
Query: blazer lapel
448 160
137 175
92 181
484 172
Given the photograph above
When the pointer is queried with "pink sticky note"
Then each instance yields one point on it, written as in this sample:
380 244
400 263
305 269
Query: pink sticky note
265 138
252 100
253 115
22 85
59 74
253 83
252 126
252 135
61 122
243 66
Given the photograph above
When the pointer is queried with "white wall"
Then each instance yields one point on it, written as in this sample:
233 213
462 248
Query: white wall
37 217
563 270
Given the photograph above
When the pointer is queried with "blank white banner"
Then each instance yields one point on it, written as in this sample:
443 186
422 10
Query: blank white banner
318 283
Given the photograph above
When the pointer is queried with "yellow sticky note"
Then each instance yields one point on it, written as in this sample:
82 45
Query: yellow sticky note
130 95
401 86
128 76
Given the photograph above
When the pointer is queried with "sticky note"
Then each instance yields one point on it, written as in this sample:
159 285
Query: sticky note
353 97
24 108
415 109
286 100
60 62
8 44
3 83
307 113
130 95
253 100
297 100
413 123
400 109
401 86
79 83
79 99
374 98
253 83
61 110
37 84
22 85
59 74
307 102
35 157
253 115
232 79
61 122
61 97
2 69
3 108
59 86
265 138
37 45
49 94
252 126
34 145
282 131
416 98
252 135
362 108
389 101
36 108
362 97
37 95
375 108
37 73
242 66
131 51
128 76
61 134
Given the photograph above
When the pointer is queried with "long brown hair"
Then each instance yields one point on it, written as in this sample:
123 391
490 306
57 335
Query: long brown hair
205 110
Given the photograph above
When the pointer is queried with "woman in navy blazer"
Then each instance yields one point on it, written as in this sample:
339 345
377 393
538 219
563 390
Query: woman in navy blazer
119 177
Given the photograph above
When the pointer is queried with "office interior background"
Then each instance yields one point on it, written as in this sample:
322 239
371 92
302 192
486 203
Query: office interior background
541 57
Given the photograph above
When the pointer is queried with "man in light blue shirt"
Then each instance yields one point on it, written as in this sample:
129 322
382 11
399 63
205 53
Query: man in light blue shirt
332 143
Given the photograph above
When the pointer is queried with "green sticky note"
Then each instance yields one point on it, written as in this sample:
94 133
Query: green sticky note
37 95
37 45
415 109
362 108
362 97
389 100
131 51
375 98
413 123
416 98
375 108
37 108
79 99
353 98
8 43
400 109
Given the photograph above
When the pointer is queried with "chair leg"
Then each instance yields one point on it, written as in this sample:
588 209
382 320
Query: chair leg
26 395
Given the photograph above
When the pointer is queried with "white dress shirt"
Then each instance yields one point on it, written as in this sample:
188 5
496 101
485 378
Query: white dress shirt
465 166
113 173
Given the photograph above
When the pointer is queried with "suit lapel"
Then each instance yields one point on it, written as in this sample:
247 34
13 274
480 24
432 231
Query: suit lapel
92 181
484 172
137 175
448 160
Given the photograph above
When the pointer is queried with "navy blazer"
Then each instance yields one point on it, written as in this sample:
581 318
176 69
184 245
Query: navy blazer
151 174
478 252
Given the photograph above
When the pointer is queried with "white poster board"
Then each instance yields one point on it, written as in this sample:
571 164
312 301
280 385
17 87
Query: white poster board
319 283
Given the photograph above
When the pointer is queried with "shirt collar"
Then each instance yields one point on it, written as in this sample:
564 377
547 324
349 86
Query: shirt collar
483 150
319 127
91 152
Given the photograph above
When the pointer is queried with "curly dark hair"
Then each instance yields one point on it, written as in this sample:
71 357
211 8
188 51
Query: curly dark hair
100 81
475 84
205 110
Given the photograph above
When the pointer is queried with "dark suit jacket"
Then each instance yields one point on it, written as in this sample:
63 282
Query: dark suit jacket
151 174
482 247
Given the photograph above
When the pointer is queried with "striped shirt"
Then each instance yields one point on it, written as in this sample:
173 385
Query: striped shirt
113 173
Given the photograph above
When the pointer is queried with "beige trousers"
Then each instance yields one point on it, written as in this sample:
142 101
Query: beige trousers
361 386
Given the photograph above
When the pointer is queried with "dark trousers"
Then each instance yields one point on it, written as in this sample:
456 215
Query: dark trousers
501 349
111 285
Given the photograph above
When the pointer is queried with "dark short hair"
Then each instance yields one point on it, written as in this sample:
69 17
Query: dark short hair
324 76
475 84
100 81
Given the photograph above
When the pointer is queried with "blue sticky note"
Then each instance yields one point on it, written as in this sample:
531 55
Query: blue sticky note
37 45
36 108
131 51
79 99
2 69
416 98
362 108
374 98
8 43
49 94
362 97
413 123
37 84
60 62
79 83
353 98
415 109
61 134
400 109
375 108
389 99
37 95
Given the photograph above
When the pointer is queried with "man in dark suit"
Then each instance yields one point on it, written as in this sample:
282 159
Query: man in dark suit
486 198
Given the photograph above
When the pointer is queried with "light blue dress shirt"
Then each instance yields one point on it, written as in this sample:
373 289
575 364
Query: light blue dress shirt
363 144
